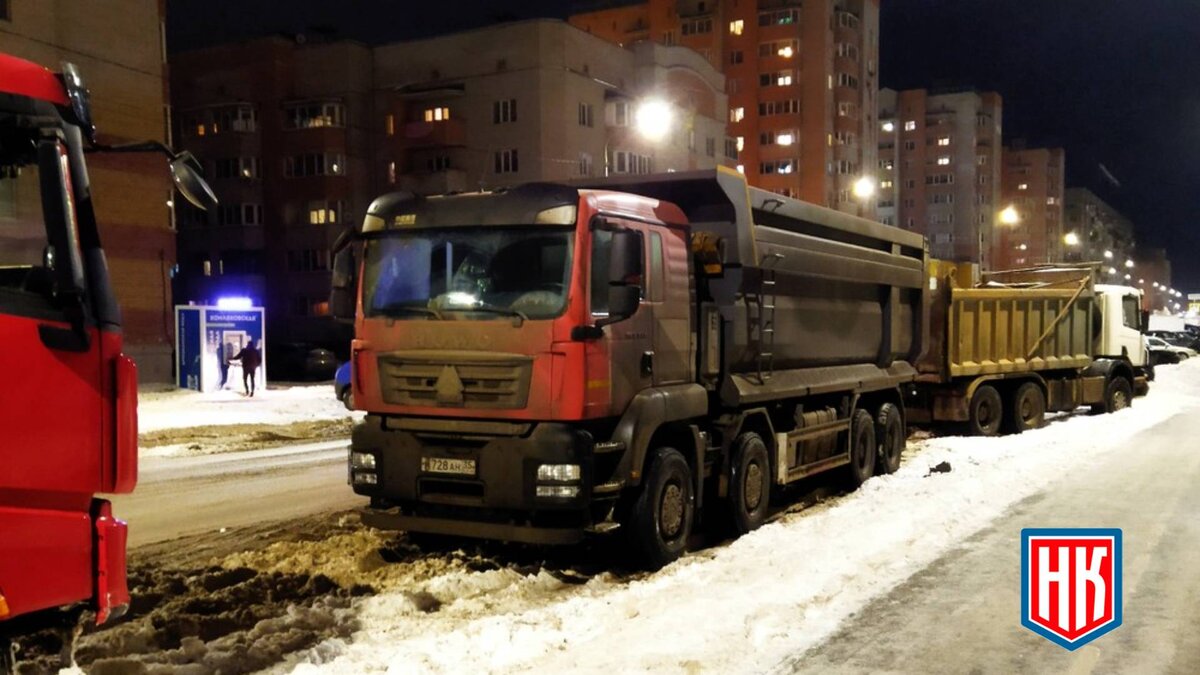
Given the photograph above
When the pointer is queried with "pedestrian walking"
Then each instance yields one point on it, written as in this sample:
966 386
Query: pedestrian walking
251 359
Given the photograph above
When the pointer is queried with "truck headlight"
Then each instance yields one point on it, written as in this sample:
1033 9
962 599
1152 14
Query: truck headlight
365 479
362 460
558 491
563 473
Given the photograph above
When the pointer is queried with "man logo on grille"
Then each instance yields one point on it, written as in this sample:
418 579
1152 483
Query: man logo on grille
449 388
1071 583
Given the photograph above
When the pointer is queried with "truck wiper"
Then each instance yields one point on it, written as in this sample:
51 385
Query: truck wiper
414 309
506 311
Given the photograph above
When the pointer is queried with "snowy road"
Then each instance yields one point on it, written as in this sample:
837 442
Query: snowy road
962 613
182 496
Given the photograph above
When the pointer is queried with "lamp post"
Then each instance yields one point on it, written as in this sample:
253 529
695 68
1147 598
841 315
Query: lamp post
864 191
652 119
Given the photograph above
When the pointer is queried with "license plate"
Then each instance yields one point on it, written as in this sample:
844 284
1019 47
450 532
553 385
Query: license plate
464 467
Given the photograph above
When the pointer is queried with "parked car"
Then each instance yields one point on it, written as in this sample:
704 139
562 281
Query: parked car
341 386
1177 338
1162 351
299 361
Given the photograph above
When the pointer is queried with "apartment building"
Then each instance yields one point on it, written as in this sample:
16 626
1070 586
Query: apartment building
540 100
120 53
939 168
1152 274
281 127
802 80
1096 232
299 136
1032 184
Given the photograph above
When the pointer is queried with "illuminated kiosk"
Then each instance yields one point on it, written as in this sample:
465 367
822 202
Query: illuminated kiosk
207 337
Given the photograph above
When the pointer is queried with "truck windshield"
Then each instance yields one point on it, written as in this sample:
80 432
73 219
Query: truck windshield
484 272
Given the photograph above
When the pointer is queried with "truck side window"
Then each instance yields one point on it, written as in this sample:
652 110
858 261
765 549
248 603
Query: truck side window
22 233
601 251
1131 313
656 267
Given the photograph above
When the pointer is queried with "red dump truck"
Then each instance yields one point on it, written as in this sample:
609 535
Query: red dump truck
547 361
69 410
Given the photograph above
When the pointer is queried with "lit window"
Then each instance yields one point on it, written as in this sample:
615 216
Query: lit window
885 184
944 141
741 168
737 27
737 114
910 125
1023 186
437 114
741 143
944 160
390 124
785 139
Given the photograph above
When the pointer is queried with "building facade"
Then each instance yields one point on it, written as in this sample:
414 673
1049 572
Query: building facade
939 169
802 79
1096 232
540 100
298 138
120 54
1032 183
1153 275
282 129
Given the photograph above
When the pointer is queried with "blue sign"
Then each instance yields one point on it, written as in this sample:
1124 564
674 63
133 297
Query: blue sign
209 343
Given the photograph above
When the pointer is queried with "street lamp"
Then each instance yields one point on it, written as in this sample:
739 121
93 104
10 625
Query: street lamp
1112 270
653 119
864 188
1129 264
1108 255
1010 215
1071 239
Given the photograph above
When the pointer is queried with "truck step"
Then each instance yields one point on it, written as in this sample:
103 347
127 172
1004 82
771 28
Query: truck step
602 528
608 446
608 488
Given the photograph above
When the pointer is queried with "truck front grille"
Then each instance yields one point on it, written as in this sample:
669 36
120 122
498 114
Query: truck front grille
479 380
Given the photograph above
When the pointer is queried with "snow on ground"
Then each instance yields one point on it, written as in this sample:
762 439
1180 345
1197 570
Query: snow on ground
739 608
180 408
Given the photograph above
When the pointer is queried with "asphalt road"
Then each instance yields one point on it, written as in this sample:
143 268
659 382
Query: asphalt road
184 496
961 614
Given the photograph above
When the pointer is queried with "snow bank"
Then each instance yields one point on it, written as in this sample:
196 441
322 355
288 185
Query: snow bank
181 408
746 606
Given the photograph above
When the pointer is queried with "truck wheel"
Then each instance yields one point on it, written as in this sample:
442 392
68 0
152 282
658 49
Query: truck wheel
1028 409
1117 396
987 411
749 483
660 519
862 448
889 431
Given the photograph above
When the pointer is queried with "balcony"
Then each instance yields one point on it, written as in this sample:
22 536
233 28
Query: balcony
443 134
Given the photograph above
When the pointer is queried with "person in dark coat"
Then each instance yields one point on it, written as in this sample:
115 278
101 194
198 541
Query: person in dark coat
251 359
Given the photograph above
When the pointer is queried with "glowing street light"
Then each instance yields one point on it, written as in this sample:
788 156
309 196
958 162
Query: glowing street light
1112 270
653 119
1141 281
1023 247
1128 277
1071 239
864 188
1010 215
1108 255
889 127
1129 264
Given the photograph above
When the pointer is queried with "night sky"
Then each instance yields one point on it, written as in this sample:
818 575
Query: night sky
1115 82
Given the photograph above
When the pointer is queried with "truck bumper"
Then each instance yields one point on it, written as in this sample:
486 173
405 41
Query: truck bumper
497 497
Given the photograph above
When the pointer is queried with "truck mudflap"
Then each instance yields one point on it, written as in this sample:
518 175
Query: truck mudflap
525 534
112 588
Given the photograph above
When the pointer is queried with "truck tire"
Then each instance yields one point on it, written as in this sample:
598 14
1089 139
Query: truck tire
986 412
1118 395
1028 409
862 448
749 483
889 431
660 518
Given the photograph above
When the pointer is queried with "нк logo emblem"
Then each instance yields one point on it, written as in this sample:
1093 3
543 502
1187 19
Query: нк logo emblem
1071 583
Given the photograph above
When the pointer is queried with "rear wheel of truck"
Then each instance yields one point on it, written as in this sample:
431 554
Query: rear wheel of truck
1028 409
1118 395
889 430
660 518
749 483
862 448
986 413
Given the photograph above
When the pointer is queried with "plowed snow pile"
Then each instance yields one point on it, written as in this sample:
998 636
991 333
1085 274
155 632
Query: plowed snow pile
739 608
181 421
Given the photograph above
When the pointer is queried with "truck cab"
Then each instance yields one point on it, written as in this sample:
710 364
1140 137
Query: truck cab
1124 323
69 413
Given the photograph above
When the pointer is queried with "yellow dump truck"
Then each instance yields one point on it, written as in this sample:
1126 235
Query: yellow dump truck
1007 347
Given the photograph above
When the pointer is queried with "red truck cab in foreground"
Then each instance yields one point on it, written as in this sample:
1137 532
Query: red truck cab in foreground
69 412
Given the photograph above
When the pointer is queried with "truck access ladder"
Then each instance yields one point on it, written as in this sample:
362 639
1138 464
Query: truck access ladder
762 319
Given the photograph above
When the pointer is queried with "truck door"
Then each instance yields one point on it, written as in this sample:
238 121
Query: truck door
669 283
629 343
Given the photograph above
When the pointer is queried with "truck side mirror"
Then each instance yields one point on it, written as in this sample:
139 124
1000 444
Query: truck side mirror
344 282
1145 319
185 172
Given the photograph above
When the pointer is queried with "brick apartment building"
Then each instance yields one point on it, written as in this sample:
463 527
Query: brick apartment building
1032 183
939 169
1096 232
802 79
299 137
1152 273
119 52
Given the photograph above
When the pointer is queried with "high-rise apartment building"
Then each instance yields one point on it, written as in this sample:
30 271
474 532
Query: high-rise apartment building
120 53
283 131
939 168
802 79
297 138
1096 232
1032 184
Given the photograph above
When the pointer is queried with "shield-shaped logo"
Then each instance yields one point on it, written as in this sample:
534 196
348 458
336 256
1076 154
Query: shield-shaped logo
449 388
1071 583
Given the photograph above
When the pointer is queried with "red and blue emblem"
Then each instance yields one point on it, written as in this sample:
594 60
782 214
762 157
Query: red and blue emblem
1071 583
